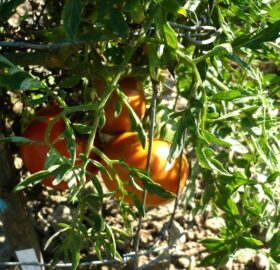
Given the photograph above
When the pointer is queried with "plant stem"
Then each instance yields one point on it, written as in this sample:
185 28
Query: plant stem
108 91
151 137
189 61
216 82
178 188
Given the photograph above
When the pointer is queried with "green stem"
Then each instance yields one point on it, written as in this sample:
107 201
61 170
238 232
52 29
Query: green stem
204 111
108 91
189 61
210 78
151 137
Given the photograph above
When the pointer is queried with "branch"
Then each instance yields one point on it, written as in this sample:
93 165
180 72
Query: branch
28 45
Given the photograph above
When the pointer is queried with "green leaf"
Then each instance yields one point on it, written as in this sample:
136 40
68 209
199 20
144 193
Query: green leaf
71 143
31 84
226 96
13 81
213 243
81 128
160 21
75 251
118 23
53 158
61 173
249 242
154 59
4 62
113 245
178 141
273 177
274 243
226 203
207 160
71 18
135 10
136 124
216 258
236 181
170 36
65 228
96 183
234 57
16 139
99 223
211 138
70 82
33 179
174 7
255 40
149 184
208 194
221 49
139 205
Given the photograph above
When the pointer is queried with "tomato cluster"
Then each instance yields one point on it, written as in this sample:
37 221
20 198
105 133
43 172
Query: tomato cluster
125 147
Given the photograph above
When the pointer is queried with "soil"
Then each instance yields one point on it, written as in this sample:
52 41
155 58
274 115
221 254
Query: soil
48 208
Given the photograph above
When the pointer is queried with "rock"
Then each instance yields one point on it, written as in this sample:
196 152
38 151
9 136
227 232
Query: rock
185 262
214 224
261 261
62 214
193 262
18 163
228 265
176 232
245 256
190 235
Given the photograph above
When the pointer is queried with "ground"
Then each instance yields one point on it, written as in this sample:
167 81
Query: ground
180 249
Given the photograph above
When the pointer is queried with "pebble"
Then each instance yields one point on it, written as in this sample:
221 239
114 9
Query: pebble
185 262
62 214
190 235
176 232
18 163
261 261
214 224
245 256
228 265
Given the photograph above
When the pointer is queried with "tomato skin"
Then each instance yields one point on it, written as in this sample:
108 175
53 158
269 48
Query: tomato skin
34 155
133 89
127 148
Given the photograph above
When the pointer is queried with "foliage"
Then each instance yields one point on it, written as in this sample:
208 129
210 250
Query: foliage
223 58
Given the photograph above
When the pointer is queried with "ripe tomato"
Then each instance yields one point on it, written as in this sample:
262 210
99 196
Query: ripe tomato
34 155
127 148
133 89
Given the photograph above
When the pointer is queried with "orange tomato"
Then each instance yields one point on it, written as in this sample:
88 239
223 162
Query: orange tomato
127 148
133 89
34 155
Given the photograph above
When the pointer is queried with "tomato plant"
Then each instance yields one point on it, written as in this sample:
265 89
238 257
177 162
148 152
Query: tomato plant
210 71
118 119
127 148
